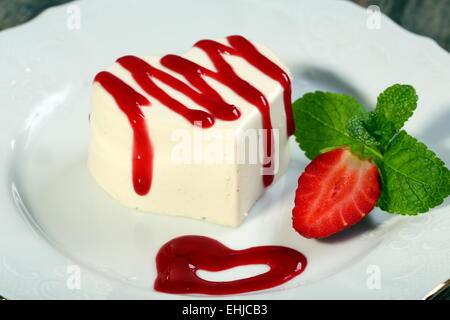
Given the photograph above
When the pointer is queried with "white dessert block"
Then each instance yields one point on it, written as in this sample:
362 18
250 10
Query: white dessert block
186 183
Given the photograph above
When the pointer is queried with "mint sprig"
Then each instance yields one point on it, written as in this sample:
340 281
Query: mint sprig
413 178
395 106
323 118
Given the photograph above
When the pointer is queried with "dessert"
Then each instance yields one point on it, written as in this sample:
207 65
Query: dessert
153 118
141 105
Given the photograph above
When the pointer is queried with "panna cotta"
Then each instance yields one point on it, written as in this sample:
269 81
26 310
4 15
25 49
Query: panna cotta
200 135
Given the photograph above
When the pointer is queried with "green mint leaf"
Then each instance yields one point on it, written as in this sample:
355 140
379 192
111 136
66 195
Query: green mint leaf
369 146
356 128
381 129
414 180
395 106
321 120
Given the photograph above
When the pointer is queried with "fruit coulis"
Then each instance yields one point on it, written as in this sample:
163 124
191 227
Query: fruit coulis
130 101
179 259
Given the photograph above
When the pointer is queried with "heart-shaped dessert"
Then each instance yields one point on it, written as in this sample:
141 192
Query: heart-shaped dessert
199 135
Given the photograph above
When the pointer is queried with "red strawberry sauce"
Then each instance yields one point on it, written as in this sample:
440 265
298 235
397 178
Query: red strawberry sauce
130 101
179 259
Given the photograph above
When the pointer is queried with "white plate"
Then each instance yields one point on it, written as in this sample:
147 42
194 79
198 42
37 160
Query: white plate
54 219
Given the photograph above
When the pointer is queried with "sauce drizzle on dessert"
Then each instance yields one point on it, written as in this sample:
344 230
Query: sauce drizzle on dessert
179 259
130 101
205 96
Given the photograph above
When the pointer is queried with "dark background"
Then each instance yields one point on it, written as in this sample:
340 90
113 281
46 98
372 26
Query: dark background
426 17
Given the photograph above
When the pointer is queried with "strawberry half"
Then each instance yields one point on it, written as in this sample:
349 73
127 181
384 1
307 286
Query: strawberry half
336 190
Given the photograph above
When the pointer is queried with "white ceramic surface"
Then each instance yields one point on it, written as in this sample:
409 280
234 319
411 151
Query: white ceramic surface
55 221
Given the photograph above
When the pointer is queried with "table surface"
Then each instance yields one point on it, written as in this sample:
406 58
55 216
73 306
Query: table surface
429 18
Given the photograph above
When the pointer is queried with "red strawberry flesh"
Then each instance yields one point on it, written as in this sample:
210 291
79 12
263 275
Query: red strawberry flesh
336 190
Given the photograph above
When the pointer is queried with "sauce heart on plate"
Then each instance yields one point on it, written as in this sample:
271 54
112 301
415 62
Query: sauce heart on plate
179 259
